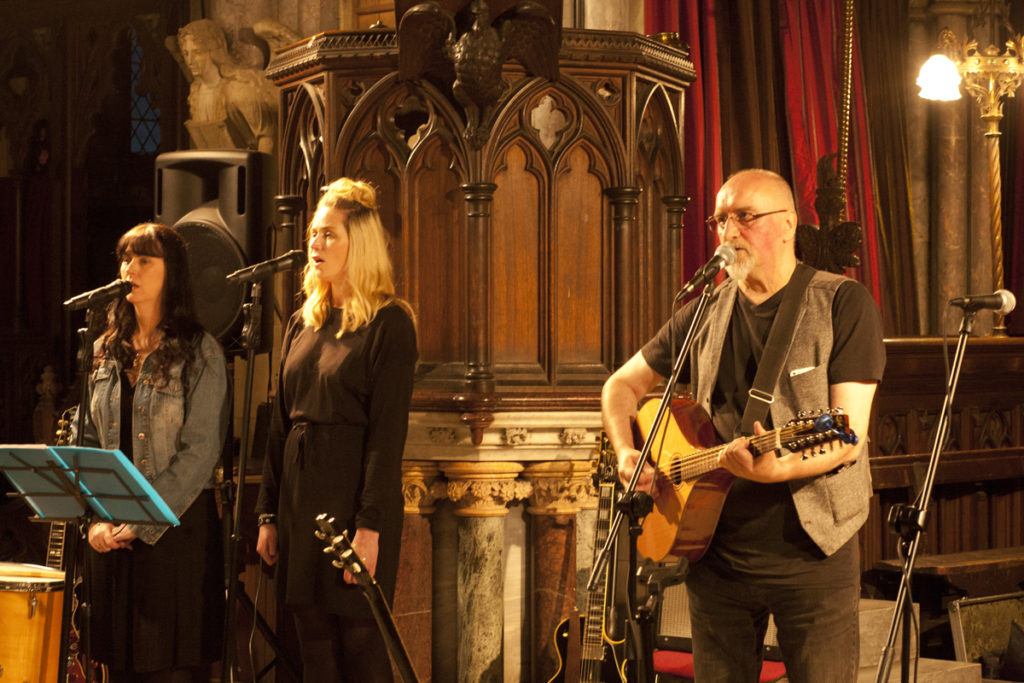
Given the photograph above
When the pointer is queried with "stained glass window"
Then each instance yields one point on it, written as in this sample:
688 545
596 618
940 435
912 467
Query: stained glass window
145 117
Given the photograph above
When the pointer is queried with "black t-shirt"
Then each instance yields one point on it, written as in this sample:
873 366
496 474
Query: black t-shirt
759 531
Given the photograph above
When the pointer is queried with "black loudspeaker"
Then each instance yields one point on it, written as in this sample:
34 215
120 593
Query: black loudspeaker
219 201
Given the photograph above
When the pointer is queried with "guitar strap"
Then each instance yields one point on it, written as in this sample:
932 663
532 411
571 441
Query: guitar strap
776 350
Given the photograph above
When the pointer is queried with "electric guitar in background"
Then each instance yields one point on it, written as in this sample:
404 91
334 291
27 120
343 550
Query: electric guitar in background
600 657
55 560
688 502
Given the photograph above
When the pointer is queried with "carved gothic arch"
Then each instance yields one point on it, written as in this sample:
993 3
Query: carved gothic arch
582 99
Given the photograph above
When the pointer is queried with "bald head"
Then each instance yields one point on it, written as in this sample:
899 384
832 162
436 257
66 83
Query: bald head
757 216
769 185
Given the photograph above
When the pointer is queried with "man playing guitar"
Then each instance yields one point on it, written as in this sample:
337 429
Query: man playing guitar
785 542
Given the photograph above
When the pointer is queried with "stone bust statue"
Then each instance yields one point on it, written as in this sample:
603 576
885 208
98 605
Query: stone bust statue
231 105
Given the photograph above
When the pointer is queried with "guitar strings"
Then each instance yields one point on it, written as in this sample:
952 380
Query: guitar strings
696 463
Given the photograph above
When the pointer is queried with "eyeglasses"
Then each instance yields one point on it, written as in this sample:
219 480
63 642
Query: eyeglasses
744 218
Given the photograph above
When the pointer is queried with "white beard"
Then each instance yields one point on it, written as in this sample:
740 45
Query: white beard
741 268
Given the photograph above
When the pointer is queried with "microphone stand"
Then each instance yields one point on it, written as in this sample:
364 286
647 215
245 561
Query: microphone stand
637 504
252 313
251 335
75 549
909 521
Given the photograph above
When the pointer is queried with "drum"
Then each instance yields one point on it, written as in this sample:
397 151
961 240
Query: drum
31 601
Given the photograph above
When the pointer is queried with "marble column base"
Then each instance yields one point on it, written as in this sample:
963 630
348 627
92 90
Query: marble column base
480 600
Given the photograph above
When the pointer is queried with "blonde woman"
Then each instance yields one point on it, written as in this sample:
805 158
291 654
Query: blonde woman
337 435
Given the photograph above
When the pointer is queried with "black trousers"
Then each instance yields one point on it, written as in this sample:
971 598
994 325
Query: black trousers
338 649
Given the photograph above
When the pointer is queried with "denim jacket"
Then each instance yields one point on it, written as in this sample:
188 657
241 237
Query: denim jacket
177 439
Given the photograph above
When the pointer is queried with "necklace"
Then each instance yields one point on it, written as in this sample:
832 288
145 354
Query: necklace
142 350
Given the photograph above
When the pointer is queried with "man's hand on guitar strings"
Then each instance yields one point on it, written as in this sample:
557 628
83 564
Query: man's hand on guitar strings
627 460
739 459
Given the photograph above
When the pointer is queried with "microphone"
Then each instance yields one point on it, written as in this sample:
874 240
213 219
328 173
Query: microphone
1001 301
99 296
263 270
724 256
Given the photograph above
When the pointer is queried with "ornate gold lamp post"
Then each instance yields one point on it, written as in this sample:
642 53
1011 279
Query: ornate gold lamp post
989 75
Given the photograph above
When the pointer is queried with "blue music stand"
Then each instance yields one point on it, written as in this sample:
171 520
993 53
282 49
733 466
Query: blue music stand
65 483
72 484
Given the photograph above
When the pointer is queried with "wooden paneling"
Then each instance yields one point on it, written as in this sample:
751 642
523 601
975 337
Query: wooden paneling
978 498
520 254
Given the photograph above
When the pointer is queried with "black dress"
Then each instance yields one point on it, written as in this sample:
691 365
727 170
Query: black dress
161 606
336 440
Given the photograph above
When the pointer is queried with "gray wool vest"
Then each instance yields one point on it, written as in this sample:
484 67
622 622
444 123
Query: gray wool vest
831 507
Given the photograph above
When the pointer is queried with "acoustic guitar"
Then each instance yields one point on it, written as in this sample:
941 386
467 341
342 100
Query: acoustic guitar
688 502
601 658
346 558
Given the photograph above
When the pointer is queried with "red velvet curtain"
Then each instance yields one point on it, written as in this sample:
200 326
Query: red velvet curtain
812 51
702 130
778 68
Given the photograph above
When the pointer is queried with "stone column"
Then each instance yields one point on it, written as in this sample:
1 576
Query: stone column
560 490
921 43
481 491
955 186
412 609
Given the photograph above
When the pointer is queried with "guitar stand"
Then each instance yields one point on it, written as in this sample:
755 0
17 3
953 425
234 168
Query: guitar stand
636 508
635 505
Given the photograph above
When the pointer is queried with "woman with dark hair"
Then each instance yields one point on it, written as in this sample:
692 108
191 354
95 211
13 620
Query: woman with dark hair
158 393
337 437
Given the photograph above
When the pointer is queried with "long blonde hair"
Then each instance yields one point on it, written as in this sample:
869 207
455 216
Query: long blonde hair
370 279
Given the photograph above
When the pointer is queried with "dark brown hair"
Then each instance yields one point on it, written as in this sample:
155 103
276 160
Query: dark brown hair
178 323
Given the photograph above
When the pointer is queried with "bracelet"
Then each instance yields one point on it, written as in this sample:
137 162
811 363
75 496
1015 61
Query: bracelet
266 518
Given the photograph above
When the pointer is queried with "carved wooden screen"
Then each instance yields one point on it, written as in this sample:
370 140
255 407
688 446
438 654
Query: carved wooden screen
543 257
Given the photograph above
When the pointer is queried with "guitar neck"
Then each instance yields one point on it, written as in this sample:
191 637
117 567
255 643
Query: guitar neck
55 548
592 638
702 461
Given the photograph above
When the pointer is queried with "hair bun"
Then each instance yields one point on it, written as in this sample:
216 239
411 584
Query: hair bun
347 191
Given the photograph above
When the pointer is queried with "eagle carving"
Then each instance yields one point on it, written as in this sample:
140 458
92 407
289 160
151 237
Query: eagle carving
469 63
834 244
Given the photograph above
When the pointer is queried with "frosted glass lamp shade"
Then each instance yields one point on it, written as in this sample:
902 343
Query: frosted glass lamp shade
939 79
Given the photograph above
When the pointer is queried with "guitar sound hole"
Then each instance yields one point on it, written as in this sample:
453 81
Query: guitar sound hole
676 473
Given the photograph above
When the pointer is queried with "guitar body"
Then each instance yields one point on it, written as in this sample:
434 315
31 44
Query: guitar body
686 513
604 669
692 487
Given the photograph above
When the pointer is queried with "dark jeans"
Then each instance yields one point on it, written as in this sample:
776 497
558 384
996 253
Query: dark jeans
817 621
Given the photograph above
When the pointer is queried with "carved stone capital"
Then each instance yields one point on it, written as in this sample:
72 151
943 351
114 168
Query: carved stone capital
484 489
502 436
421 487
560 488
